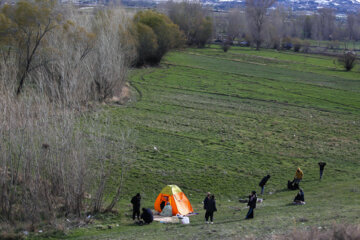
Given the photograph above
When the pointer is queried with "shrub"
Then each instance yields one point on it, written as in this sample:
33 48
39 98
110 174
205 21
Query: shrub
193 21
226 46
348 60
296 44
286 43
306 46
156 35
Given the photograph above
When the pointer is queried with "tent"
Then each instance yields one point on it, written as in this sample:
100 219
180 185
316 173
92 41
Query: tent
178 201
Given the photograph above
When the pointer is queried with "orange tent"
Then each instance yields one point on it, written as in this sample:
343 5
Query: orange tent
178 201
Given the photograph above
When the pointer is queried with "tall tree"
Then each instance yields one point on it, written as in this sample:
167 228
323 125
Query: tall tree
235 25
326 18
256 12
193 20
30 23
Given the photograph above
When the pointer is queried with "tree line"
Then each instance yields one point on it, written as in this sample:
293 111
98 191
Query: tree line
262 24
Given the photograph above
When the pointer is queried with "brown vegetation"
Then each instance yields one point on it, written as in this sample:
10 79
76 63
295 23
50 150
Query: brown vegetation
55 63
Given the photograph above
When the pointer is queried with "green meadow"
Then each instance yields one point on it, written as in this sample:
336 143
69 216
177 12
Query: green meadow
206 120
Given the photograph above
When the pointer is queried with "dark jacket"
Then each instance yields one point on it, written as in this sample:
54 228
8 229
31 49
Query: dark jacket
263 181
136 202
206 201
252 201
322 165
162 205
211 205
300 197
147 215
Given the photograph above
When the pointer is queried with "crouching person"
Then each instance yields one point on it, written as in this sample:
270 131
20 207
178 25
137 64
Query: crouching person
147 215
299 198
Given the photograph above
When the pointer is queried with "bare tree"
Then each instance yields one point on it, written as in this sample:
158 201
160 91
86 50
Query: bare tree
235 24
326 22
256 11
351 23
50 161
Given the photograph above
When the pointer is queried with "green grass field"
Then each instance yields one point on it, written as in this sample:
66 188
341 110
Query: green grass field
221 121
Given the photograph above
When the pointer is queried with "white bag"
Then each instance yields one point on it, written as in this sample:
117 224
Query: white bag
185 220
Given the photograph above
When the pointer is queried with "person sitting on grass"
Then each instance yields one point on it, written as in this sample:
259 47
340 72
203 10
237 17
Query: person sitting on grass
167 210
165 199
300 197
147 215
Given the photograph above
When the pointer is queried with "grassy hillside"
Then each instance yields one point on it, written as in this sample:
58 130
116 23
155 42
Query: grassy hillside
221 121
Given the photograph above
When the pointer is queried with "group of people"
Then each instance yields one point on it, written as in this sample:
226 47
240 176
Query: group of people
146 216
210 203
210 207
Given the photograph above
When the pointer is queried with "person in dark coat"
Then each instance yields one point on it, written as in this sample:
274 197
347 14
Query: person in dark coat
252 205
135 201
165 199
147 215
292 186
322 166
263 183
300 197
206 200
210 209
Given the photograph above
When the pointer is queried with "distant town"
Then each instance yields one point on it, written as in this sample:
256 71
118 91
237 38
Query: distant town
303 6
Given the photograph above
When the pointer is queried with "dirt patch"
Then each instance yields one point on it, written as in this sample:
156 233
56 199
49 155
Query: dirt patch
123 96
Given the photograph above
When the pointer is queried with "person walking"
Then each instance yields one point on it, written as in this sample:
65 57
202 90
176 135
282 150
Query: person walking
263 183
210 209
322 166
135 201
298 176
252 205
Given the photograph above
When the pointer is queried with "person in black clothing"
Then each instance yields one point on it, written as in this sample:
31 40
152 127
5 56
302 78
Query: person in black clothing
147 215
206 200
252 205
165 199
210 209
322 166
263 182
162 205
300 197
136 206
292 186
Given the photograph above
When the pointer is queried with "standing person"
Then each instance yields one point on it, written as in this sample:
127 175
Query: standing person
206 200
322 166
252 205
136 206
263 183
210 209
147 215
298 176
